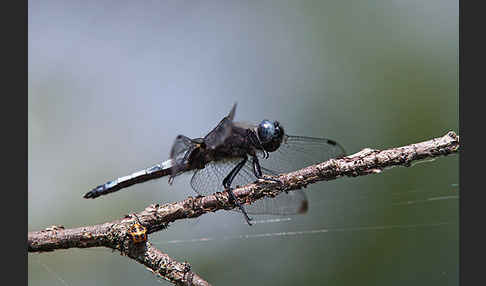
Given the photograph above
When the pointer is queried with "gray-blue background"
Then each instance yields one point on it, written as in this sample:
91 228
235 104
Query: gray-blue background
111 83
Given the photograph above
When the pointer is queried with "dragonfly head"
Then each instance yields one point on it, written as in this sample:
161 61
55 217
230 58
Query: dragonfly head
270 134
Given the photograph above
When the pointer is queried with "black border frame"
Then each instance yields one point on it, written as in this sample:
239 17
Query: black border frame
14 139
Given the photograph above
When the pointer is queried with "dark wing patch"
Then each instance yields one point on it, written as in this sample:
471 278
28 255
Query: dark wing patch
222 131
180 146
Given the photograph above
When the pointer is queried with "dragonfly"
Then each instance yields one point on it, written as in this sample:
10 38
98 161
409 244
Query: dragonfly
237 153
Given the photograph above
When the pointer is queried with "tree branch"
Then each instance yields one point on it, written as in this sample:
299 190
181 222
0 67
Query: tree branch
156 217
115 235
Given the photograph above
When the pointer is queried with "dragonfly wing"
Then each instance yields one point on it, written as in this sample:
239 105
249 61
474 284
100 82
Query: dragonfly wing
293 202
223 130
297 152
210 179
180 146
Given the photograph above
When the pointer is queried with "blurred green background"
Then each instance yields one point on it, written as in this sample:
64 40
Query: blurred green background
112 83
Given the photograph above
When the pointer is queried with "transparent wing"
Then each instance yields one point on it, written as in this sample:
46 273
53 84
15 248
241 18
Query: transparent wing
293 202
210 179
297 152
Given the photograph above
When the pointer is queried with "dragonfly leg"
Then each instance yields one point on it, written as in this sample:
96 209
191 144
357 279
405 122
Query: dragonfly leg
257 170
227 186
256 142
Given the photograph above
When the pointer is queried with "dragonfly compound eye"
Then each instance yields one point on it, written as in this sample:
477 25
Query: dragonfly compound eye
270 134
266 129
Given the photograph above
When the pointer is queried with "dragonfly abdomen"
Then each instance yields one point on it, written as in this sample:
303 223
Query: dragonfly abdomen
154 172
